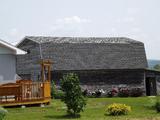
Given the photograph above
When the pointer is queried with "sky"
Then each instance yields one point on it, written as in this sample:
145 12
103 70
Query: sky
136 19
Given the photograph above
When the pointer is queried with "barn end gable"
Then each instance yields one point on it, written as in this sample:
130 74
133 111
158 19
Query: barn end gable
28 64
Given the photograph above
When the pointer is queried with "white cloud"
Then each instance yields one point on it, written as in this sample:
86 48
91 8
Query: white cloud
132 10
136 30
126 20
113 30
129 19
72 20
15 34
69 26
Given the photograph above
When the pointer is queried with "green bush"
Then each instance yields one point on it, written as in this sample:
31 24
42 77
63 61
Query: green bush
55 93
3 113
118 109
59 94
73 97
157 106
53 89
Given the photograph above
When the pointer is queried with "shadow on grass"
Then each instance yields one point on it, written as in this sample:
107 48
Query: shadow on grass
121 115
63 116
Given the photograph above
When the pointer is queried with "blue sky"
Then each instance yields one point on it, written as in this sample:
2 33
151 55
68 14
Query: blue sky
137 19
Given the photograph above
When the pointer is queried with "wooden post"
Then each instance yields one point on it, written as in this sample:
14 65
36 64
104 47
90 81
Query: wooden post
42 72
49 73
46 64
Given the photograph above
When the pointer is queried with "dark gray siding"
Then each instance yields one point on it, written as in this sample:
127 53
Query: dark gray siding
28 65
106 79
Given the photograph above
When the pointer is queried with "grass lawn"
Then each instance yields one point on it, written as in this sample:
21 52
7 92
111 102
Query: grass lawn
94 110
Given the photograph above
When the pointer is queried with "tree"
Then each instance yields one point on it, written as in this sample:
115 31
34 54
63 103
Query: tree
73 97
157 67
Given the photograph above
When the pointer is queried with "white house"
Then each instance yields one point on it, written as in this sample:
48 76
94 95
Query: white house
8 62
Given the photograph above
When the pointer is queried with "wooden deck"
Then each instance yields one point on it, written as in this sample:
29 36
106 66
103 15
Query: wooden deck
24 92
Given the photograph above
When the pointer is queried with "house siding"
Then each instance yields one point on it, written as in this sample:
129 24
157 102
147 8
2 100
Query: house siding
7 68
4 50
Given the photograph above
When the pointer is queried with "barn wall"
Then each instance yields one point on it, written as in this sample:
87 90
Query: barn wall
106 80
28 65
7 68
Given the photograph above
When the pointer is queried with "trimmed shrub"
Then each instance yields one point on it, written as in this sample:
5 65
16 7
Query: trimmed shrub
73 97
118 109
3 113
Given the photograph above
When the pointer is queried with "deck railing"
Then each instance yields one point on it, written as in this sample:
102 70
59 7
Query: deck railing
24 92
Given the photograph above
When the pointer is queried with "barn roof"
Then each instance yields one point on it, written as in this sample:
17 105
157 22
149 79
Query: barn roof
86 53
42 39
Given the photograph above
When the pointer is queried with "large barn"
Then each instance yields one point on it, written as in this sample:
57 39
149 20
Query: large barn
103 63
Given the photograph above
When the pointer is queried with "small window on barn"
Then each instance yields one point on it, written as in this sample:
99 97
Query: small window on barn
28 51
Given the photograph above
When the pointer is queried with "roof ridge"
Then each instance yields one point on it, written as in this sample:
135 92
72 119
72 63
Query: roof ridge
43 39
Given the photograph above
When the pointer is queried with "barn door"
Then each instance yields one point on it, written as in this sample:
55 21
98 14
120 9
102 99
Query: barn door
151 86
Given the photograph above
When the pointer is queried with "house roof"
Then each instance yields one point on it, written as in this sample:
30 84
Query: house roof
86 53
9 46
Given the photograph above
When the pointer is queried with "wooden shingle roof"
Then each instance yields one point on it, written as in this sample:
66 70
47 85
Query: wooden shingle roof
90 53
122 40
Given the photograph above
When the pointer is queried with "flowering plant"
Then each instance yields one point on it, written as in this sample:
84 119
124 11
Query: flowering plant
112 93
123 92
118 109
